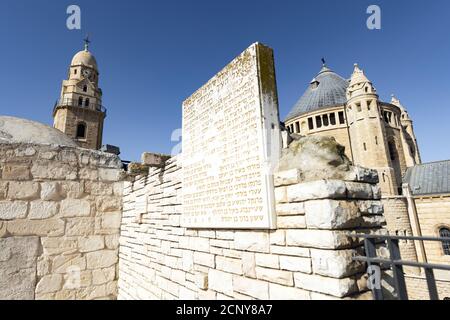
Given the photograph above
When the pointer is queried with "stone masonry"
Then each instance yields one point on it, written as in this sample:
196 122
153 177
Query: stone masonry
308 256
60 213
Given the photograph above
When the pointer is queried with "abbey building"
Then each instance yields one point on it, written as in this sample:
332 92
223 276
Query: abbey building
375 134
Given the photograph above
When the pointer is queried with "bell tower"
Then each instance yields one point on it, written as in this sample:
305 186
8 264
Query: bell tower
367 131
79 112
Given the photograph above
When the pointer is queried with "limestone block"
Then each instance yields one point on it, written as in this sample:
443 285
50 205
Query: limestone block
361 174
112 241
23 190
335 287
335 263
275 276
199 244
331 214
10 210
75 208
201 280
67 263
291 222
267 260
371 207
187 260
72 189
257 241
101 276
323 189
290 263
108 204
88 174
290 209
278 237
357 190
51 191
16 172
49 227
323 239
50 283
229 265
376 191
3 190
285 178
111 220
74 279
253 288
186 294
290 251
59 245
178 276
204 259
98 188
91 243
281 195
106 174
101 259
220 281
279 292
43 209
54 171
154 160
249 264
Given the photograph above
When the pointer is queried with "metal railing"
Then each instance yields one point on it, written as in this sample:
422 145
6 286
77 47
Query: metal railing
396 263
76 103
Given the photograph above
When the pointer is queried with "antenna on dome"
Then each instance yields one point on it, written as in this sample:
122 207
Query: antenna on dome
86 43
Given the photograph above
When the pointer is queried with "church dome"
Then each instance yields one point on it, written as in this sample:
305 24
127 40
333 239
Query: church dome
327 89
85 58
17 130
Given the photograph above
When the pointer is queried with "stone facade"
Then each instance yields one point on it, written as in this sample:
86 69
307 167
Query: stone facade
308 256
60 214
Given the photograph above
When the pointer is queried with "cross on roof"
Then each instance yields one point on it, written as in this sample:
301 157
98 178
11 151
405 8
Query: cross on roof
86 43
323 62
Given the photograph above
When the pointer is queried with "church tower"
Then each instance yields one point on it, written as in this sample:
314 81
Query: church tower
79 112
367 132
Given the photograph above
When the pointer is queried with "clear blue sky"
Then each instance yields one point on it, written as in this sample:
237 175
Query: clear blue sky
154 54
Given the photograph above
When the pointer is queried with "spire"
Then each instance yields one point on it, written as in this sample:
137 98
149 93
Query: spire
324 64
86 43
358 76
395 101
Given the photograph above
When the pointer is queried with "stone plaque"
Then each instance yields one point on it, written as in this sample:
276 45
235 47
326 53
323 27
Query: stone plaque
231 144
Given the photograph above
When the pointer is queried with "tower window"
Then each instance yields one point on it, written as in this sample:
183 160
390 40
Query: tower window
80 101
367 89
365 146
85 88
325 120
75 71
310 124
392 151
369 104
86 102
81 130
358 107
376 140
341 117
297 127
318 122
445 233
333 119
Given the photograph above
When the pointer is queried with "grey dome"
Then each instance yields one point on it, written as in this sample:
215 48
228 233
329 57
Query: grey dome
327 89
17 130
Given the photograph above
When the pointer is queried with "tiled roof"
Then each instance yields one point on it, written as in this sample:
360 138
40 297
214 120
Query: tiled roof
429 178
330 91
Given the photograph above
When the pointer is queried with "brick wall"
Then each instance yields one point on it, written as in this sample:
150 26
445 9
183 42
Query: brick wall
60 212
307 257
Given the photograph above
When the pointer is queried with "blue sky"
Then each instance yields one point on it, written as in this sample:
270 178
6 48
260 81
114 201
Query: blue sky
154 54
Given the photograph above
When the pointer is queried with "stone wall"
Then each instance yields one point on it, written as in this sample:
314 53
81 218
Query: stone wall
60 212
308 256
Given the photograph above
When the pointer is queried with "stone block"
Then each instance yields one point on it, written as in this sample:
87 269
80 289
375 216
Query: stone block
16 172
75 208
50 283
111 220
43 209
91 243
229 265
68 263
10 210
154 159
49 227
335 287
256 241
278 237
279 292
290 209
249 264
113 175
54 171
286 178
251 287
335 263
275 276
290 263
51 191
23 190
331 214
323 189
80 226
267 260
291 222
322 239
290 251
357 190
204 259
101 259
220 281
201 280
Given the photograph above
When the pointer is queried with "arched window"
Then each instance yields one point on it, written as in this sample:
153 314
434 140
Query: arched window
445 233
81 130
85 88
392 150
75 71
86 102
80 101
